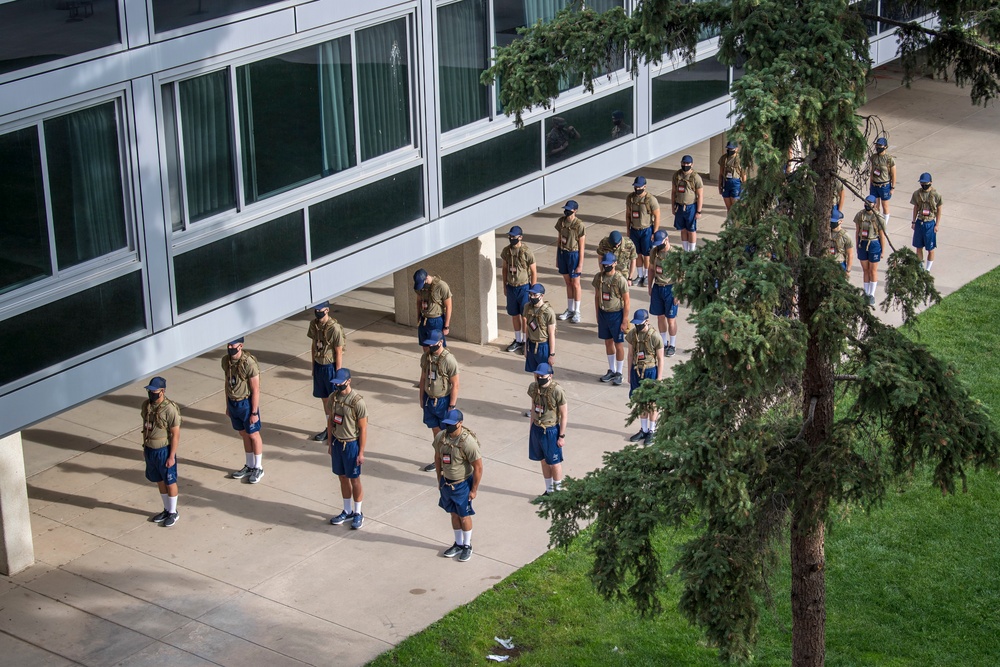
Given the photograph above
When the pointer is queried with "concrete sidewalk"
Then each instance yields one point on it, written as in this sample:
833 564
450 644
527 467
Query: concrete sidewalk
256 575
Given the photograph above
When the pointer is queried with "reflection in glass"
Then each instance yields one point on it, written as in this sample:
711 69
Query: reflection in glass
490 164
383 88
173 14
24 234
34 32
689 87
463 55
584 127
208 152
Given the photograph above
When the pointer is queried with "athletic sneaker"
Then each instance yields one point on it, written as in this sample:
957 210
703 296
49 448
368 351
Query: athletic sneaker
242 472
576 317
171 519
453 550
256 474
514 346
617 380
642 281
430 467
670 351
343 517
871 299
648 439
320 437
466 553
357 520
161 517
641 435
565 315
607 377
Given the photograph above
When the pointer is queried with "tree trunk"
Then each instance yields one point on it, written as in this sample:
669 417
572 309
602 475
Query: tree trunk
808 595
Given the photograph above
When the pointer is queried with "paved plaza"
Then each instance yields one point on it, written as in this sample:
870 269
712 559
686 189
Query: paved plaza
255 574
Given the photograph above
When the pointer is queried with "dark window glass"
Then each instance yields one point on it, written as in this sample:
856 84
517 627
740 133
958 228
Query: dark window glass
902 10
689 87
368 211
296 118
98 315
24 234
383 89
172 14
463 54
239 261
869 7
490 164
579 129
34 31
85 184
207 139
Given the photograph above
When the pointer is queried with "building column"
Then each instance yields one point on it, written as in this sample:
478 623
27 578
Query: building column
716 149
470 271
16 549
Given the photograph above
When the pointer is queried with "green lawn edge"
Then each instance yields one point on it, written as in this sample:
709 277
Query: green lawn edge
913 582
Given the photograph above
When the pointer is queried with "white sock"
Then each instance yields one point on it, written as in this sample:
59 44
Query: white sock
166 501
867 288
643 424
249 457
664 337
347 505
611 362
557 485
467 538
171 505
571 304
357 507
458 536
673 341
642 272
519 336
929 264
619 365
874 287
257 458
886 219
548 483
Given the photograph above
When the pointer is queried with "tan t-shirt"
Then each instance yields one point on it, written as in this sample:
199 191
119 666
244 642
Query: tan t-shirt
345 413
440 369
643 346
432 298
611 291
157 420
538 318
927 203
657 262
238 374
326 338
869 223
840 246
881 166
518 262
686 187
570 232
545 403
731 167
458 453
639 209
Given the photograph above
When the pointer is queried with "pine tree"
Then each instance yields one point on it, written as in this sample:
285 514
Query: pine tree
797 398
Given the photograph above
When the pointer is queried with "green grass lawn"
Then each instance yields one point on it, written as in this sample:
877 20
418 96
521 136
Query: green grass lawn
916 582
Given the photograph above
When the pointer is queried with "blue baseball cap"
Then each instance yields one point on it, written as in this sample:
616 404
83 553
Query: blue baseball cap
730 146
615 237
617 115
156 384
237 341
419 278
660 237
687 159
434 337
543 369
537 288
925 177
871 199
321 305
342 376
571 205
881 141
609 258
640 316
453 417
515 231
639 182
835 217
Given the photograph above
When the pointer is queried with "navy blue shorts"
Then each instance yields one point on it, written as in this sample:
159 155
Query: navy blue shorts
455 497
924 235
426 326
609 326
517 298
661 301
732 188
634 380
567 261
435 410
323 379
883 191
344 459
239 415
536 353
643 240
156 465
684 218
870 252
543 444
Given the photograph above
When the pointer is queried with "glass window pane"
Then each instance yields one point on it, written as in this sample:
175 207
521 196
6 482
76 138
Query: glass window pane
342 221
490 164
238 261
85 184
207 140
689 87
173 14
98 315
383 89
24 234
296 118
579 129
36 32
463 54
173 171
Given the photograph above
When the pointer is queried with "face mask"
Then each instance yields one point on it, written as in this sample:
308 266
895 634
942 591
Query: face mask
542 381
608 268
514 240
868 207
536 299
567 212
233 351
339 388
451 428
730 152
434 349
640 327
685 167
925 186
154 396
319 314
880 149
639 191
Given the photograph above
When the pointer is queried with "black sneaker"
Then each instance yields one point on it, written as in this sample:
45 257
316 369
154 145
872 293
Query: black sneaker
513 346
617 380
453 550
670 351
641 435
321 436
242 472
466 553
642 281
429 467
648 440
171 519
607 377
161 517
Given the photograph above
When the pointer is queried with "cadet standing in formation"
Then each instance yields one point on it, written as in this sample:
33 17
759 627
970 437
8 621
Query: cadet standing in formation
518 273
570 243
348 429
883 176
840 244
438 383
611 305
161 434
687 195
459 465
870 237
433 305
243 407
540 320
327 349
642 219
549 416
624 251
662 301
645 362
927 207
732 175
